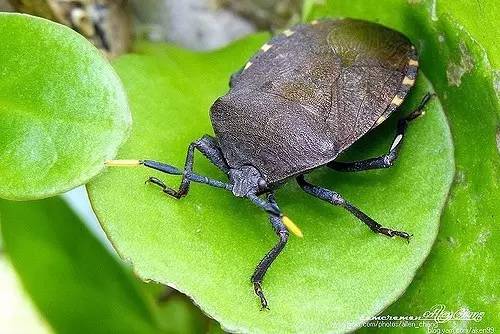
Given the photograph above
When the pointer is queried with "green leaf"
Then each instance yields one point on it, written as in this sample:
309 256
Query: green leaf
72 279
208 244
63 108
459 52
175 311
179 315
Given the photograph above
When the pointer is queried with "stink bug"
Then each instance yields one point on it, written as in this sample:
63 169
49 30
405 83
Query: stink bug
305 97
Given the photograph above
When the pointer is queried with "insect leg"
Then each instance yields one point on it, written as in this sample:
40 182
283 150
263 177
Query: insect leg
335 198
267 260
194 178
386 160
209 148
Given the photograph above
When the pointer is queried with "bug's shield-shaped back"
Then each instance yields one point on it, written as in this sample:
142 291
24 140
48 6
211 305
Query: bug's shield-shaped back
310 93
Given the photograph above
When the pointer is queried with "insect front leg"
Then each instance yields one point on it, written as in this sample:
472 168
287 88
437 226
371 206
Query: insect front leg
279 227
335 198
208 147
386 160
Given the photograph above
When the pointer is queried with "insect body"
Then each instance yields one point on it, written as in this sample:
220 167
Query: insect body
304 98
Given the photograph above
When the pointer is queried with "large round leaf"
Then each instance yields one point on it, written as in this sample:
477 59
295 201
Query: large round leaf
208 244
62 107
459 52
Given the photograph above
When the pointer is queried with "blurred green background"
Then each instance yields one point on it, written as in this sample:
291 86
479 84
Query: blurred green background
59 273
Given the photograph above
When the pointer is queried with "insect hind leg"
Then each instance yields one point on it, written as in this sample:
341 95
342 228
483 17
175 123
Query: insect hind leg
335 198
386 160
208 146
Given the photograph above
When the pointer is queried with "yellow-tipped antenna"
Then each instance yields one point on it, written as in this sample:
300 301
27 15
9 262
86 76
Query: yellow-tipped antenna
123 163
290 225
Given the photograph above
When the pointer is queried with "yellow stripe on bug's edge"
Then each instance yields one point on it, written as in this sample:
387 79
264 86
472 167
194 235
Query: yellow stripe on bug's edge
408 81
413 62
380 120
290 225
248 65
397 100
288 33
266 47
